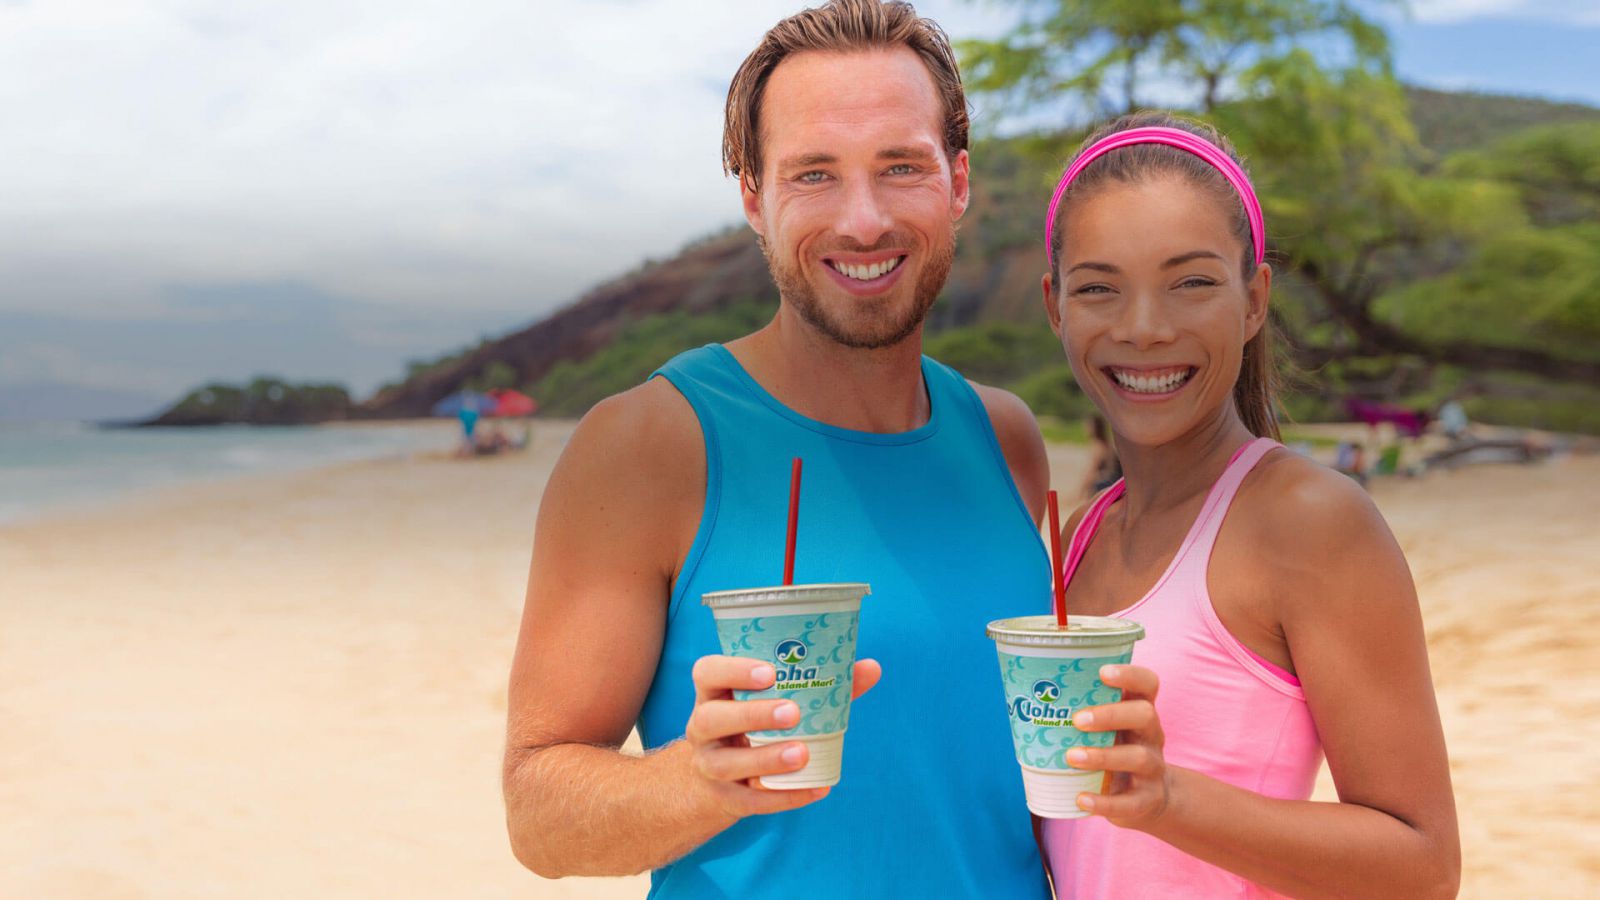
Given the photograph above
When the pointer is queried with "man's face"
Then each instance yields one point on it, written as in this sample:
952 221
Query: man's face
858 202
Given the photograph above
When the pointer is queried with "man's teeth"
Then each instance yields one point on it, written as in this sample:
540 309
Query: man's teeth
1152 384
868 272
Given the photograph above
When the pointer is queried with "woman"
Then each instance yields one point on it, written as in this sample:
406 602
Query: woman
1281 618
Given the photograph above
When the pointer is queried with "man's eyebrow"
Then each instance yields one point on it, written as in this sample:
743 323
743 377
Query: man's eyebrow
1191 256
808 159
918 153
1108 268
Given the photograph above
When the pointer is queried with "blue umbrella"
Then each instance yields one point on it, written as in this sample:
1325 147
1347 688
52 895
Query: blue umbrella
455 403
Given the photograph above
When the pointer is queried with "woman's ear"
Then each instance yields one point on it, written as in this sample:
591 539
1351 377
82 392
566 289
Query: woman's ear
1257 293
1052 308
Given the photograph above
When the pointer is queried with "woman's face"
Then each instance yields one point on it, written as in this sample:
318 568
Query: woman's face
1152 309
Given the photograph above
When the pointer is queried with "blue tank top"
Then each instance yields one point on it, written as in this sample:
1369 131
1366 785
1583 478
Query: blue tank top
930 799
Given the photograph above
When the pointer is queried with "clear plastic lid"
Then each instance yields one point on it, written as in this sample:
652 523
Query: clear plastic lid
1081 631
786 594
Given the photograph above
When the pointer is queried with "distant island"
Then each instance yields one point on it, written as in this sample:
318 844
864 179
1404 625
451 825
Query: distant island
264 401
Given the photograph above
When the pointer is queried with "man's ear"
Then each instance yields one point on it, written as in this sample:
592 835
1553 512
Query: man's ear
960 186
1052 308
751 199
1257 295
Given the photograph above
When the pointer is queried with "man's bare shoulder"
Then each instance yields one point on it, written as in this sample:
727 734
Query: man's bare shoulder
1006 410
637 450
647 430
1018 433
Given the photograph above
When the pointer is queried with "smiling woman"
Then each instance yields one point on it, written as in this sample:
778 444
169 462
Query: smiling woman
1281 619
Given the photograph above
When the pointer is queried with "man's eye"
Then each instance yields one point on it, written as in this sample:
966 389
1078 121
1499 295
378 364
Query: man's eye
812 178
902 169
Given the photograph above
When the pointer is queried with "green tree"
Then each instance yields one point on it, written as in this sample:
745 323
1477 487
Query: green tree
1114 53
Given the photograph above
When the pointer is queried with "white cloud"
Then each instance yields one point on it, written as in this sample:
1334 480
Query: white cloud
496 154
1570 12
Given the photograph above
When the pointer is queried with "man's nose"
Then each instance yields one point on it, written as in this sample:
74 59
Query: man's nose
864 217
1144 321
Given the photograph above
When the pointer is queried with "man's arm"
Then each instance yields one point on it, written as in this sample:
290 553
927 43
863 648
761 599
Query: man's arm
617 516
1023 445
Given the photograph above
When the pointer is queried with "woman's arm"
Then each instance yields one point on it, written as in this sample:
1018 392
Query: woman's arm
1348 608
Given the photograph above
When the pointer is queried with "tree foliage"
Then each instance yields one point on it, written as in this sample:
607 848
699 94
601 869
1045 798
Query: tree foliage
1119 55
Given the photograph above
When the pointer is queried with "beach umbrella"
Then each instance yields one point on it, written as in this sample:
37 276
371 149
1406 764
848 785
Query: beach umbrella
512 403
455 403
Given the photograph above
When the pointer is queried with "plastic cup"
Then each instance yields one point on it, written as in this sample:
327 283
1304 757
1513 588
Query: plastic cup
1049 673
808 633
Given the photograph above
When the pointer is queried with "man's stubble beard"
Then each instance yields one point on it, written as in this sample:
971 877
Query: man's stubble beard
872 323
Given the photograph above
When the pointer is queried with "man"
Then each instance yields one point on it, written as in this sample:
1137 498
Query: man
847 131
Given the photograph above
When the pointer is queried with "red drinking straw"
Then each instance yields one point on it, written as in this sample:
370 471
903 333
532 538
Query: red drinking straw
794 521
1055 562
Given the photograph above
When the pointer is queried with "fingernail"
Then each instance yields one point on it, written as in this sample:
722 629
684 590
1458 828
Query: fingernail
787 714
1110 672
791 756
1083 719
762 674
1086 802
1077 757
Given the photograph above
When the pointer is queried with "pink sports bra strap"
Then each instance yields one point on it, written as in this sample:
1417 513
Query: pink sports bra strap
1087 526
1202 537
1221 495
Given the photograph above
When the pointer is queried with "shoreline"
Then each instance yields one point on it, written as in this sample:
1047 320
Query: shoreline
437 433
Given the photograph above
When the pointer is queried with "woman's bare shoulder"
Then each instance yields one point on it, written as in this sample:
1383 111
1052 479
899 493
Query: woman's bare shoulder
1301 516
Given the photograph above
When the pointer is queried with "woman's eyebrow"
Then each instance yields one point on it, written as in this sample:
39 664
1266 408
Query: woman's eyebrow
1191 256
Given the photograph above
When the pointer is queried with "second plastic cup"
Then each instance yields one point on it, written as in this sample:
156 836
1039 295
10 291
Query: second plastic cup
1049 673
808 633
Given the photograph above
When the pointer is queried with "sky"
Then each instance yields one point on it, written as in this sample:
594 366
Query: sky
194 190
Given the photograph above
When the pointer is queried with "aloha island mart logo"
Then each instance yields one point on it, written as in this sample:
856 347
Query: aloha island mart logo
1038 708
792 675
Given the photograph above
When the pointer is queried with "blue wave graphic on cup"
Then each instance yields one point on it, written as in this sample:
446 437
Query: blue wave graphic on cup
1042 693
813 654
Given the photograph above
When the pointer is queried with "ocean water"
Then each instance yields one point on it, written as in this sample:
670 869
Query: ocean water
56 465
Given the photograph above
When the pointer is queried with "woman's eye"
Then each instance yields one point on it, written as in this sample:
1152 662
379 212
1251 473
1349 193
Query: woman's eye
1197 281
1092 289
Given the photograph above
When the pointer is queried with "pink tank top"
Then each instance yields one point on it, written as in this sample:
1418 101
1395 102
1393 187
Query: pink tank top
1227 713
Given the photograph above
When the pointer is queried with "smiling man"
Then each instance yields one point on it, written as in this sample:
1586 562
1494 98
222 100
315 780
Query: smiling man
847 130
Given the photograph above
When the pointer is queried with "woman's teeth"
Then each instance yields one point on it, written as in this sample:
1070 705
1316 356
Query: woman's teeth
867 272
1152 384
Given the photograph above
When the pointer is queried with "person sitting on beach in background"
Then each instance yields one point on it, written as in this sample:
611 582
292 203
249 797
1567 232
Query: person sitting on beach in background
847 131
1350 458
468 415
1453 421
494 441
1104 469
1281 619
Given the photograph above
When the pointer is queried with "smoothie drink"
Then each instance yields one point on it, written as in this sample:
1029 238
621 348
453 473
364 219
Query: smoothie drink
1049 673
807 632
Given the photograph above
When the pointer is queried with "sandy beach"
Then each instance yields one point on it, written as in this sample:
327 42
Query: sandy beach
295 685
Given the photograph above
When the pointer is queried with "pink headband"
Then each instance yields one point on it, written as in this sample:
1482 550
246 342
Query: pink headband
1172 137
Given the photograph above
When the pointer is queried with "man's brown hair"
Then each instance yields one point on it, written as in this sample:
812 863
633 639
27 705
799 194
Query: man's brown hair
838 25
